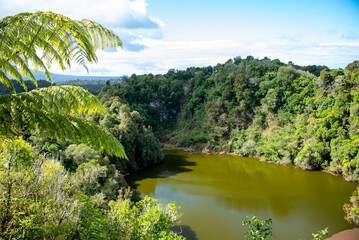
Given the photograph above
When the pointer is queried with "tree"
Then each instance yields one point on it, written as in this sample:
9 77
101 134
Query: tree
77 154
147 219
34 193
39 200
36 40
325 78
352 209
320 235
258 229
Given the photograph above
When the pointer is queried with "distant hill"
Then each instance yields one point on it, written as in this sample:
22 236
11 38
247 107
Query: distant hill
94 84
19 88
63 77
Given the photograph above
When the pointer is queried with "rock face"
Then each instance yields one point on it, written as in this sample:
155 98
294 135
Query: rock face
352 234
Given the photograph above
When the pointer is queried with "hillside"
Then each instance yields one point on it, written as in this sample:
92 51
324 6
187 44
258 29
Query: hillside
93 86
64 77
283 113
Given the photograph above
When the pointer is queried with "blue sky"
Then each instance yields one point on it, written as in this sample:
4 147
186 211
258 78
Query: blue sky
159 34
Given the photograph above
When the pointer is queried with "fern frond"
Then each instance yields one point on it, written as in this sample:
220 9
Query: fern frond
57 37
53 111
6 81
24 68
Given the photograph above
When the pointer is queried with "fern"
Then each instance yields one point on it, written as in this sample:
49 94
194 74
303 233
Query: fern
92 223
39 39
53 112
58 38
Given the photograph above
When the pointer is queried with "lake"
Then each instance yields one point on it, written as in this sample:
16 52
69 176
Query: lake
217 192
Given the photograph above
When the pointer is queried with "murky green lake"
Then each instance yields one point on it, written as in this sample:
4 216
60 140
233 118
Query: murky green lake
217 192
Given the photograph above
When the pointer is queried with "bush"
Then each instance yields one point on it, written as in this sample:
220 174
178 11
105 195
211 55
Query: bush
258 229
311 157
77 154
37 201
352 209
320 235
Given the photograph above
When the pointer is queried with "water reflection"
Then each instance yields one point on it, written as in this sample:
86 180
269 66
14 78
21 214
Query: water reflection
185 231
172 165
216 192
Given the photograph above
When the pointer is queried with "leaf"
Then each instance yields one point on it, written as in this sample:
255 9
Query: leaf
56 112
36 40
57 38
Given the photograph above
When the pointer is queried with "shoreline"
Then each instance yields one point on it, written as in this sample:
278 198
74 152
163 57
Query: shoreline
349 234
207 151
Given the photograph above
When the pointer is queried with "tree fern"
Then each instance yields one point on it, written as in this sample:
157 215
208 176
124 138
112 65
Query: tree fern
36 40
57 38
53 112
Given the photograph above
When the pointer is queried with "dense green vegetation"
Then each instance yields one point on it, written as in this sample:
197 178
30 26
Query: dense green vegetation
279 112
306 116
18 88
257 228
156 98
76 189
40 200
352 209
128 126
93 86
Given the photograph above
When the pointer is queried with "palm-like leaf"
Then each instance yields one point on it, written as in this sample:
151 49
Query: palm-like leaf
56 37
53 111
39 39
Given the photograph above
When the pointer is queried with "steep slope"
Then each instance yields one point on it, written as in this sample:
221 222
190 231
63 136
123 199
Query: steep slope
283 113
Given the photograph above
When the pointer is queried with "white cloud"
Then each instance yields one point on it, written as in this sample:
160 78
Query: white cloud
147 51
351 35
111 13
161 55
129 19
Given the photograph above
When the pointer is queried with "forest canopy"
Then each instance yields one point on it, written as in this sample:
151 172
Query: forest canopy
283 113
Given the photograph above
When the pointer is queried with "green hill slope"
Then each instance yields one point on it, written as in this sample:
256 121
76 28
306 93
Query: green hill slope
302 115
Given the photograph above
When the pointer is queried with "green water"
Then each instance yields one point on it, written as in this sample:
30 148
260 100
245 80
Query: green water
217 192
